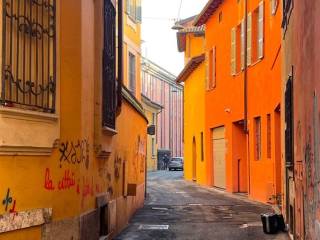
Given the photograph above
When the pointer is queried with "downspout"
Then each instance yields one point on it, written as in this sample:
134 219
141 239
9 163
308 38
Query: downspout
120 56
245 75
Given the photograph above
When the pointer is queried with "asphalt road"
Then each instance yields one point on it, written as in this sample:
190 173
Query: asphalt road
176 209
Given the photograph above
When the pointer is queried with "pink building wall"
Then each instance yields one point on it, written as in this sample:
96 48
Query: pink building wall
159 85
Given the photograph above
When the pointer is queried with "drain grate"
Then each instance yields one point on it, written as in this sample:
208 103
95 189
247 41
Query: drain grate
153 227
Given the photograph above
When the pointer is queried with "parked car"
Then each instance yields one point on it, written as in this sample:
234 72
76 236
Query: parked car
176 163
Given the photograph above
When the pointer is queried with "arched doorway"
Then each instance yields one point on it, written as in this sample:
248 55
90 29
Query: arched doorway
194 159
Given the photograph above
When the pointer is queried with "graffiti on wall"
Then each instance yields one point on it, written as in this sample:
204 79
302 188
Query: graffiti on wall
117 167
141 153
9 203
74 153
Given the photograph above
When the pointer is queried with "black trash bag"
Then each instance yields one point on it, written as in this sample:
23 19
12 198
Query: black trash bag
281 223
270 223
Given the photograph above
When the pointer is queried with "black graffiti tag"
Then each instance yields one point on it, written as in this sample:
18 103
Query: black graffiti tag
74 153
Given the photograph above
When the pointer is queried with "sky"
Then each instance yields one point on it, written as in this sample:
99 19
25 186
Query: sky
159 40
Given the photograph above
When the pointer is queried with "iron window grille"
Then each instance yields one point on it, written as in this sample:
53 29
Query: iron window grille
109 95
29 54
287 9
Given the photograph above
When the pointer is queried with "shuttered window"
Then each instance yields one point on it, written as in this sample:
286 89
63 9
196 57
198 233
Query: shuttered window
257 32
269 136
242 44
138 11
132 73
133 9
261 30
273 6
249 39
233 51
257 142
212 71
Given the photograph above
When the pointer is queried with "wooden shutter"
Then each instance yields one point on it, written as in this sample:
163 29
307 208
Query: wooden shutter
213 67
207 70
261 30
242 44
249 39
233 51
138 11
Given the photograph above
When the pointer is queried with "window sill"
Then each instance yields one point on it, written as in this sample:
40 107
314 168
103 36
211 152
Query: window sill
210 89
28 115
256 62
109 131
26 132
131 23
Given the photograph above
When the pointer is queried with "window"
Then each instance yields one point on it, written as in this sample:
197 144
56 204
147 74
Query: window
153 147
132 73
154 118
212 68
287 9
109 66
29 55
256 30
133 9
273 6
257 137
220 17
237 48
269 136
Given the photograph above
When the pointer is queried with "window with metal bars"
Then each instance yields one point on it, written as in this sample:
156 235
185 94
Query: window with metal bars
29 54
109 95
287 9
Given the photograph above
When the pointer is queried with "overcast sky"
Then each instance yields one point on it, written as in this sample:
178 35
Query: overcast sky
160 44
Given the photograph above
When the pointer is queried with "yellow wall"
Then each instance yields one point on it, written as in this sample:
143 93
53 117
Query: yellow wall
152 161
194 96
36 181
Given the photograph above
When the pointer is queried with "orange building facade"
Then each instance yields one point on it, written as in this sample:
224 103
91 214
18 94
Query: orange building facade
242 97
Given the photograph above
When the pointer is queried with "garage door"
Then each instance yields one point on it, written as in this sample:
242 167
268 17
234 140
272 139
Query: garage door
219 154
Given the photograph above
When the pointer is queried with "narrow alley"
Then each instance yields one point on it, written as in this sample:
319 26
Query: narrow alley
184 210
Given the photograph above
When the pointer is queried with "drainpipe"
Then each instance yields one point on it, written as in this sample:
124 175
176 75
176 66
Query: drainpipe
245 75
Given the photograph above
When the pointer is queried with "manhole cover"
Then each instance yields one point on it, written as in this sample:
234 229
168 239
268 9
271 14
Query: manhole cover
153 227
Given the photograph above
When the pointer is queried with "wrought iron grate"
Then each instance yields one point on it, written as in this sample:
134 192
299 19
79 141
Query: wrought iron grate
109 66
29 54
